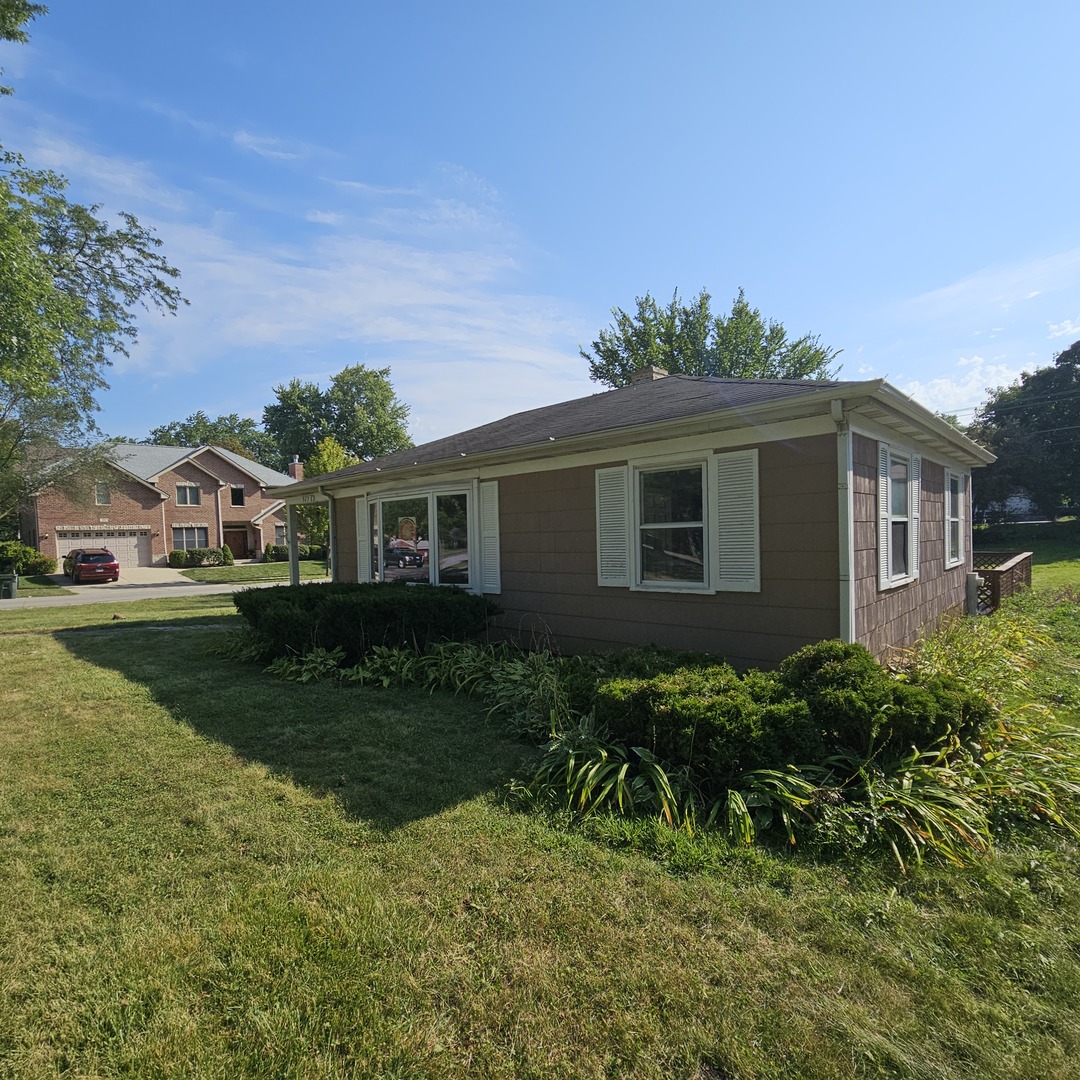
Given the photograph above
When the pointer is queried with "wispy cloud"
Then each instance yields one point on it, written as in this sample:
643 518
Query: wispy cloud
1068 328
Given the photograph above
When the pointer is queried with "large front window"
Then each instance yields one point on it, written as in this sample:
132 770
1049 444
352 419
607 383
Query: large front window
671 530
422 538
190 537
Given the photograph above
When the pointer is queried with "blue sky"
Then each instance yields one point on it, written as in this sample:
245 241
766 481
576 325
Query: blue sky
462 192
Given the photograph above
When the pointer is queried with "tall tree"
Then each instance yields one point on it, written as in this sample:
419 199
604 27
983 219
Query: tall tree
1034 428
329 456
359 410
687 339
14 14
70 286
240 434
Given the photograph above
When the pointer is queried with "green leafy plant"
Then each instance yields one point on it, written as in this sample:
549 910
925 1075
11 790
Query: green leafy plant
314 665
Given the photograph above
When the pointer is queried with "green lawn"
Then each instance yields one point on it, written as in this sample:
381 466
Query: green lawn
205 872
272 571
1055 548
41 585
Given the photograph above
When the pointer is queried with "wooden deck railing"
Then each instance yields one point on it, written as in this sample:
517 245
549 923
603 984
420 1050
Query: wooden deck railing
1003 573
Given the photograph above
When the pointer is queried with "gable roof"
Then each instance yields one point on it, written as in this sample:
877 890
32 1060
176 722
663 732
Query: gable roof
146 463
671 400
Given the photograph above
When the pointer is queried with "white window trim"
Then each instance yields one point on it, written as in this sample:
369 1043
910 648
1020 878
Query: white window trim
887 452
485 574
961 517
731 526
98 500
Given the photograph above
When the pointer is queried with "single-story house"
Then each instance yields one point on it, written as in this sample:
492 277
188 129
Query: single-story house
154 499
742 517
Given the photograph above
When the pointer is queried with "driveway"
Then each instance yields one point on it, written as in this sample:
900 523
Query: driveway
136 583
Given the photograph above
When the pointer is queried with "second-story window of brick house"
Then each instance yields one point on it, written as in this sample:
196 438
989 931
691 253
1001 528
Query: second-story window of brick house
101 494
237 495
188 495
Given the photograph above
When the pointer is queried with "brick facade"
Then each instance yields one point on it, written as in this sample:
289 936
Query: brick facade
138 507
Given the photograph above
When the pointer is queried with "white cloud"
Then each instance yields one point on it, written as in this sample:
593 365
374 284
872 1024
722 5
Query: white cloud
267 146
967 389
1064 329
324 217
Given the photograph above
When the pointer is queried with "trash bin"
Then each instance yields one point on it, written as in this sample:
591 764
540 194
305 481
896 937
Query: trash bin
9 586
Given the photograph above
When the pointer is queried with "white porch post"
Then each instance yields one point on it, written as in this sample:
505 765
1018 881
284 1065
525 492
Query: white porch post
294 558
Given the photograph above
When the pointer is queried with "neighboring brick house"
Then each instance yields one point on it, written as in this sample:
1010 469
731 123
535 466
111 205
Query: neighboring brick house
157 498
745 517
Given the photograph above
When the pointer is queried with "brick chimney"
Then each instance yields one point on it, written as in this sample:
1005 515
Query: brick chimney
649 373
296 468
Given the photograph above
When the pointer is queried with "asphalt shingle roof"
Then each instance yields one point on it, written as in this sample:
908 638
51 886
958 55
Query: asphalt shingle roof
146 462
668 398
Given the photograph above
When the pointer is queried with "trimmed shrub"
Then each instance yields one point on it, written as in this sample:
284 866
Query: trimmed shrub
180 559
25 559
710 719
293 619
280 552
227 556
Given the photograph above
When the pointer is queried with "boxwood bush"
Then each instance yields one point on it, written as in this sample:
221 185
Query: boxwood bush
294 619
183 559
280 552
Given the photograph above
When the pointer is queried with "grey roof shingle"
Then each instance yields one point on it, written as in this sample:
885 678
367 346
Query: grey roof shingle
668 398
146 462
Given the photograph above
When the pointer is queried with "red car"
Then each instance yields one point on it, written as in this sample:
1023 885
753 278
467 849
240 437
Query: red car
94 564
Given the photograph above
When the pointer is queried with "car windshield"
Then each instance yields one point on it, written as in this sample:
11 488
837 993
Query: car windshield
96 556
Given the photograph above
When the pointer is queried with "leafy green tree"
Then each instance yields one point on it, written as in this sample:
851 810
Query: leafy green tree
70 286
240 434
359 410
1034 428
14 14
687 339
329 456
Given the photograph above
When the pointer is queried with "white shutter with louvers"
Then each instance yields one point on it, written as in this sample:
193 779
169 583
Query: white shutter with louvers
613 526
884 533
363 541
916 498
733 487
490 570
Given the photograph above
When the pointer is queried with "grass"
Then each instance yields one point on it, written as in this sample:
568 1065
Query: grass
272 571
1055 548
206 872
174 612
41 585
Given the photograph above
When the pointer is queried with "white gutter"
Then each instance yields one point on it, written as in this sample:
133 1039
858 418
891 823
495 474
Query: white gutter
845 502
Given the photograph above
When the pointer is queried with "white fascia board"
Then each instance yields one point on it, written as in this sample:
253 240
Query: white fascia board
966 449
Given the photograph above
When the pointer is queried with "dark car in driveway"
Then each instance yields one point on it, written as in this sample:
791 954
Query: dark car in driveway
91 564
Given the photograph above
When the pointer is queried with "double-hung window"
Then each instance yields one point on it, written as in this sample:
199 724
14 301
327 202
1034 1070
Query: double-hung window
954 519
188 495
185 538
689 526
899 485
101 494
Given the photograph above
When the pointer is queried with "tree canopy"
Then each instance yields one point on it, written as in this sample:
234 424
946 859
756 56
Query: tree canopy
1034 428
688 339
240 434
359 410
71 283
329 456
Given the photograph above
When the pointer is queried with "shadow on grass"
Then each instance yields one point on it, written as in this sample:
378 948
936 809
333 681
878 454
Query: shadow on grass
389 756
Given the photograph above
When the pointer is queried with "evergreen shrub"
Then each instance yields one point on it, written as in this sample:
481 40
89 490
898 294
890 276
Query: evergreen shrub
293 619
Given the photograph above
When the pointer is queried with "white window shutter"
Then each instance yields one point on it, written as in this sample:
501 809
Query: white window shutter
884 533
490 568
916 499
963 517
363 541
734 494
613 526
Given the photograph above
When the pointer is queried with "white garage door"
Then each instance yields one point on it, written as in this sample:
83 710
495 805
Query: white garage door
130 546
